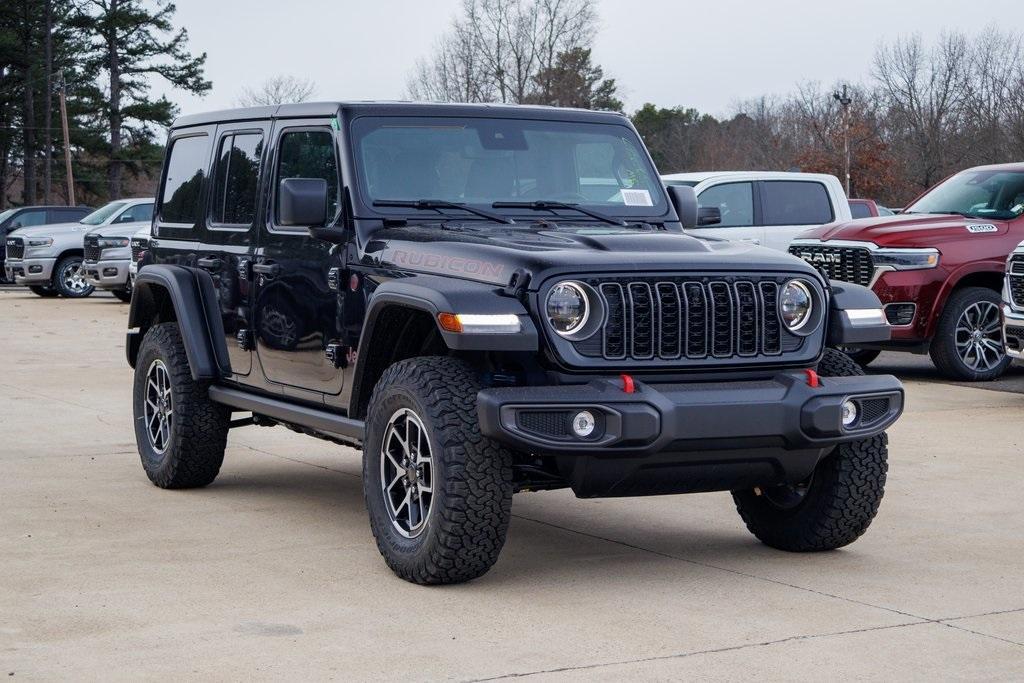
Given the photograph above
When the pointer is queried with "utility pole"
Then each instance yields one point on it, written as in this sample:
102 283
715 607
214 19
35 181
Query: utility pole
844 99
67 142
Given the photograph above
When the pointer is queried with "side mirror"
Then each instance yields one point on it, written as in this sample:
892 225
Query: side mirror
709 215
302 201
684 199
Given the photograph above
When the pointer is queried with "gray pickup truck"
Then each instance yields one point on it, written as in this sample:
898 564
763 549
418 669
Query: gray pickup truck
48 259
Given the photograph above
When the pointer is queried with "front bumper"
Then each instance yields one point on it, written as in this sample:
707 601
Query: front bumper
111 274
29 271
702 436
1013 332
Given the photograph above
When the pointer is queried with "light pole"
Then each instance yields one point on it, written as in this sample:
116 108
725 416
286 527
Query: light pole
844 99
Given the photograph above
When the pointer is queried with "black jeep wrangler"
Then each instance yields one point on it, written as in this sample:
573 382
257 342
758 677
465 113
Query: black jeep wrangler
492 299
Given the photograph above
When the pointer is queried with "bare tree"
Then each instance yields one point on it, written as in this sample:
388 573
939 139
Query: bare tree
503 50
280 89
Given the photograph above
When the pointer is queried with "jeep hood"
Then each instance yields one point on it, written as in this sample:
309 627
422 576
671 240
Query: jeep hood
909 230
493 254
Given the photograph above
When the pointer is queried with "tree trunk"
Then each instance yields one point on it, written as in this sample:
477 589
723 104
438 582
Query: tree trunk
28 116
114 170
48 115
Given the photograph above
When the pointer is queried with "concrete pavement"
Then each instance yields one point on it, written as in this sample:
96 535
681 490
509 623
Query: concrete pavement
271 572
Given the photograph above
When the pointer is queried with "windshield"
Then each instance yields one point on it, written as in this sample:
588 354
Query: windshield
482 161
980 194
103 213
6 214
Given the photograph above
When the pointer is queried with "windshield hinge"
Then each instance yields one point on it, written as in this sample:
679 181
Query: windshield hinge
518 283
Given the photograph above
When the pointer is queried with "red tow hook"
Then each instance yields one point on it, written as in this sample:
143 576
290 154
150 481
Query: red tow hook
627 384
812 378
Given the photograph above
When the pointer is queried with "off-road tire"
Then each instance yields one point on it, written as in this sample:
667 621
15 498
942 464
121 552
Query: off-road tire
199 427
863 357
43 291
124 295
842 497
472 475
943 347
58 279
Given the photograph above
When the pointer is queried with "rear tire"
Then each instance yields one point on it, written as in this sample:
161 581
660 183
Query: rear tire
182 448
459 530
68 279
836 504
968 344
43 291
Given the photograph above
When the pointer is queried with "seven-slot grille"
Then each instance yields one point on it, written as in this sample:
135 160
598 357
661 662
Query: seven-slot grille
670 319
849 264
1015 278
92 248
15 247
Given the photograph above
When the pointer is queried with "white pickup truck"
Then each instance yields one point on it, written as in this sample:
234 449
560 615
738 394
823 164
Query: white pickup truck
765 207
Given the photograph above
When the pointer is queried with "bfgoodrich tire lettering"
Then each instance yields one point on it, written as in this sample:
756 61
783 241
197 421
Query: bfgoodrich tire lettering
189 454
470 481
838 502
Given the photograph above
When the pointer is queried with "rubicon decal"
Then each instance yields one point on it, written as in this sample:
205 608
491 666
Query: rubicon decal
448 264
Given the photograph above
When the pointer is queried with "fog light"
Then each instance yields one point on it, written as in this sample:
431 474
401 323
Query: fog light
109 272
849 413
35 269
583 424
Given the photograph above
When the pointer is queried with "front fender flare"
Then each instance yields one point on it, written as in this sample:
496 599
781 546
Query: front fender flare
842 329
194 300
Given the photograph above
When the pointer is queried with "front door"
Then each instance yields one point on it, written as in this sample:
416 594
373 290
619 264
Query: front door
736 201
296 311
230 236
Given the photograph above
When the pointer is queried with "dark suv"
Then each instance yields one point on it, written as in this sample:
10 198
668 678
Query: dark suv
491 299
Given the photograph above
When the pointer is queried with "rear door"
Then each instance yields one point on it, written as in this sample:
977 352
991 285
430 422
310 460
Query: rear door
789 207
230 236
296 310
737 202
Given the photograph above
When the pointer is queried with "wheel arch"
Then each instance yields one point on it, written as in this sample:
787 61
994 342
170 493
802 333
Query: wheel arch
988 274
186 296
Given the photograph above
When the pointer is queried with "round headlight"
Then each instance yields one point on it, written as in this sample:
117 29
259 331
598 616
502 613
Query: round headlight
567 308
795 304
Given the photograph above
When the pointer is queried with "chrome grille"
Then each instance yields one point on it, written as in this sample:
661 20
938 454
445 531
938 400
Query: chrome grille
92 248
849 264
675 319
15 247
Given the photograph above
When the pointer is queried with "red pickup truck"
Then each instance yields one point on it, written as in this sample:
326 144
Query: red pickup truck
937 267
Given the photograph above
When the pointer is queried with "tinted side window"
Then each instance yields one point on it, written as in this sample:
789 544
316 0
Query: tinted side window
310 154
29 218
734 200
136 214
235 184
858 210
792 202
183 189
67 215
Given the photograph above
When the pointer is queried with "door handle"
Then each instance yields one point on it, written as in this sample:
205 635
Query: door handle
210 263
266 269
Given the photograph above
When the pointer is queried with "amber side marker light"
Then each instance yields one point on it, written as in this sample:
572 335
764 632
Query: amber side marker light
475 323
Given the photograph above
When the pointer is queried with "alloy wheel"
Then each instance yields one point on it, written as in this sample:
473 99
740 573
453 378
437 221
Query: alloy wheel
978 337
73 278
159 409
407 473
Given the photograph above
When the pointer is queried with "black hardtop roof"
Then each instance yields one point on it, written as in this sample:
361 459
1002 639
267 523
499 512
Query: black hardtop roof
376 108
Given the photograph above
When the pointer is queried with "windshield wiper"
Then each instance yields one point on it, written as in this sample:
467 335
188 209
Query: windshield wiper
438 204
546 205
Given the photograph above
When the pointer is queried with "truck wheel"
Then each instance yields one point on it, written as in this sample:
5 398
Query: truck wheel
181 434
68 279
43 291
836 504
968 342
124 295
439 494
861 357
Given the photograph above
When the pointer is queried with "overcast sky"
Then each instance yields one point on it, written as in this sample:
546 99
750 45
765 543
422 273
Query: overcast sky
706 55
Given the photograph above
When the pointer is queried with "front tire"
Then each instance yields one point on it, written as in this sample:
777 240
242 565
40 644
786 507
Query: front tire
968 344
438 493
836 504
862 357
43 291
124 295
181 434
68 279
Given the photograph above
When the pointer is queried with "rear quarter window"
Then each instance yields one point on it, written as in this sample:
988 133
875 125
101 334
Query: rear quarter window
181 199
795 202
